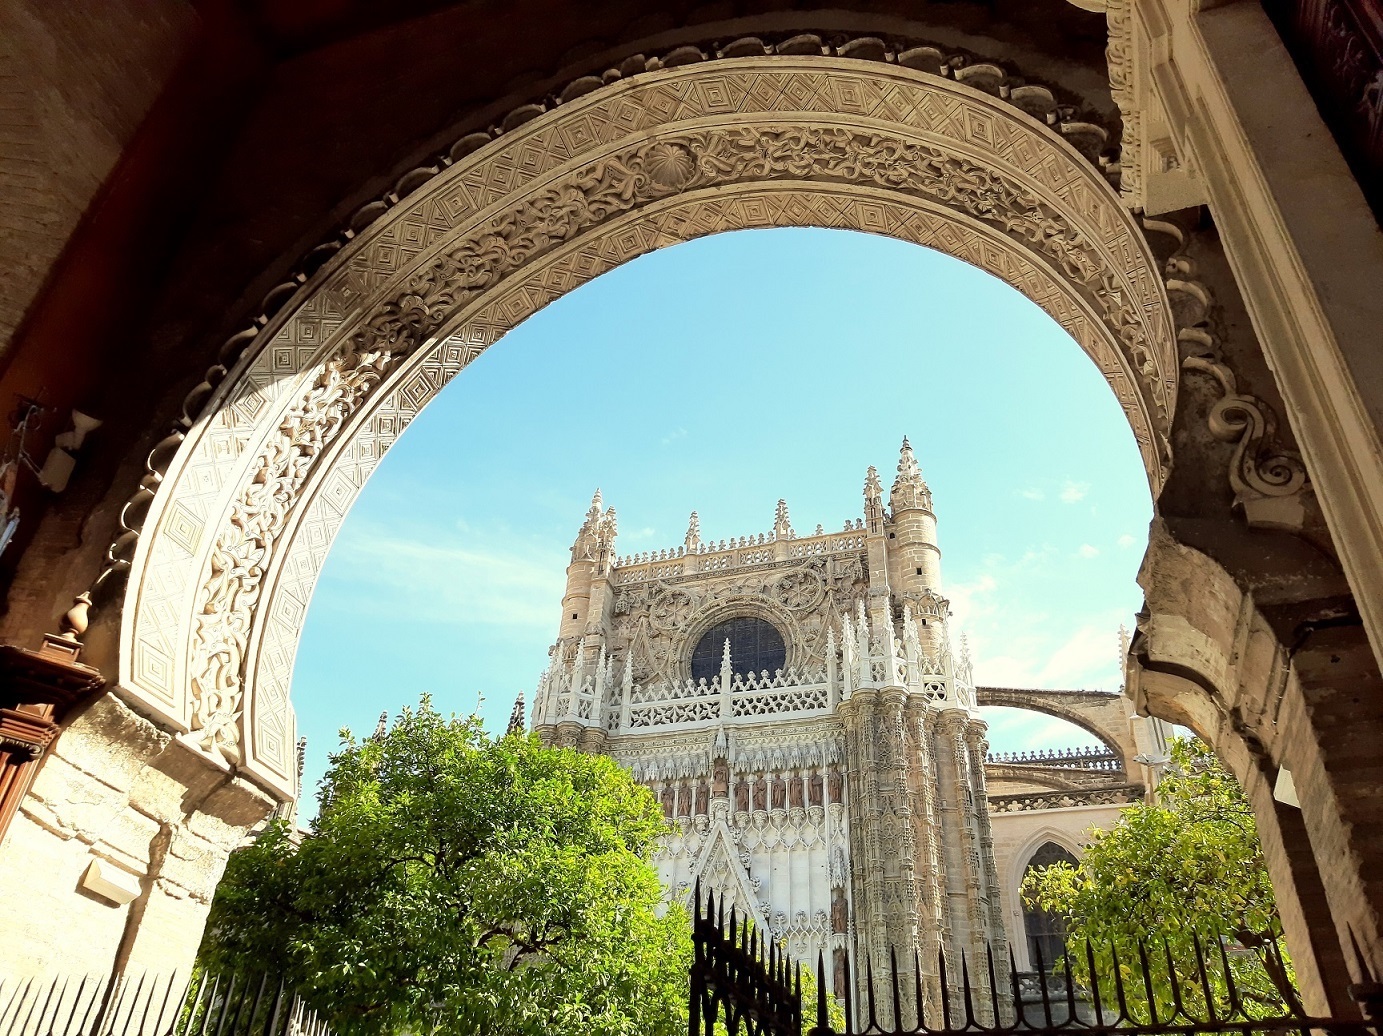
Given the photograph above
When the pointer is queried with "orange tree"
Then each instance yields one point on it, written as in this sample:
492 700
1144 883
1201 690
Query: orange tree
457 882
1169 874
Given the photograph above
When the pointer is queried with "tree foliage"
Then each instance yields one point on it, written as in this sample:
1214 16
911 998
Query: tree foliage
458 883
1188 868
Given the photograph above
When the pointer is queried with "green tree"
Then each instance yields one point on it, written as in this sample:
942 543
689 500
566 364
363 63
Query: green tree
1167 874
458 883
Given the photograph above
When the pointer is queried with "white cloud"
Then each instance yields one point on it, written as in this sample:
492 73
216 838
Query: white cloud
1125 541
1088 551
673 436
439 579
1073 492
1032 493
1088 658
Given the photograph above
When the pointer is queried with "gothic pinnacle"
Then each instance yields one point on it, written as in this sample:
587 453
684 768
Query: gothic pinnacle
782 524
693 540
516 717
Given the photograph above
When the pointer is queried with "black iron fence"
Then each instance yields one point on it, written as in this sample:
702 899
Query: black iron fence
151 1005
740 982
1141 993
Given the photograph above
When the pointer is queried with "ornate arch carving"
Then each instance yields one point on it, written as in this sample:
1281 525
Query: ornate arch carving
249 505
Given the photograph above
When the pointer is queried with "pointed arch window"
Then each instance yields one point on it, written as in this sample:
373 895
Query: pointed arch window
755 646
1045 933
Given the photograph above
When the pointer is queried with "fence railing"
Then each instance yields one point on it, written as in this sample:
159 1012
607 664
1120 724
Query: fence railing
739 981
1143 993
154 1005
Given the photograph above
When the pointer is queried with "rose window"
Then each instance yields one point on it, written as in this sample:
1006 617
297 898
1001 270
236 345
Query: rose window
755 646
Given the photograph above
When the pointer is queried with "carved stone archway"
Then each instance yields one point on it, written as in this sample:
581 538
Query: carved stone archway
248 507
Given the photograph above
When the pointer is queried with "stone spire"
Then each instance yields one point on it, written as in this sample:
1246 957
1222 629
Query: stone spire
693 541
382 726
516 717
873 499
782 524
584 549
909 490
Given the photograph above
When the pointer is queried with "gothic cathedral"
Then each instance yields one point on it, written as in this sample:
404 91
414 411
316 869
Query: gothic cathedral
795 704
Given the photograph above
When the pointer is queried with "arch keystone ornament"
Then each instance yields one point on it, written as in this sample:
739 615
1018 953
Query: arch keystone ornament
243 518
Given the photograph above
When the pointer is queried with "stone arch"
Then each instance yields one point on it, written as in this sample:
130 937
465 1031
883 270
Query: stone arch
1103 715
248 506
1011 880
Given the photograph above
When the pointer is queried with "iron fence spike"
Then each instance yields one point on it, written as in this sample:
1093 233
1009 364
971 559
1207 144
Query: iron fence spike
945 987
206 1016
24 1027
182 999
849 998
225 1005
1205 979
1016 990
1178 1001
869 989
97 992
76 999
1236 1007
1148 984
1094 982
993 986
144 1018
966 997
893 985
259 998
917 988
134 1005
1042 982
823 1022
1119 986
1070 983
52 987
187 1012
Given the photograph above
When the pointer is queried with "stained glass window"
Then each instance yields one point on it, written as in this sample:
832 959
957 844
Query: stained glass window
1046 932
755 645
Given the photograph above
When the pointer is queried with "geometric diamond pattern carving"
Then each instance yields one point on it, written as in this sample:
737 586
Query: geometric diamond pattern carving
247 510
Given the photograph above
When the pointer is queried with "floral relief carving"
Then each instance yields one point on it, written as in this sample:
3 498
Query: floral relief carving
653 171
242 553
799 590
672 609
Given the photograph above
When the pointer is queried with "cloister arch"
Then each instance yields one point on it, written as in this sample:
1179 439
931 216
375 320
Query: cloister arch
225 536
247 508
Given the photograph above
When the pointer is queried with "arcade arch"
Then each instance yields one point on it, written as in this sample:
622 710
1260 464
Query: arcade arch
242 503
242 519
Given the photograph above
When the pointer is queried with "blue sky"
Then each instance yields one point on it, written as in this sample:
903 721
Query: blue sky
720 375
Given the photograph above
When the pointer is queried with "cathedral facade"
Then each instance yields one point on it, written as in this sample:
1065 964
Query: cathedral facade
795 704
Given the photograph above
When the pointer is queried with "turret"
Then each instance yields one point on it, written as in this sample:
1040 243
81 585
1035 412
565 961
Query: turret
915 558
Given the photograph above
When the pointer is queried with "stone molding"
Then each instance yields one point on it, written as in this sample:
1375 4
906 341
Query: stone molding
259 484
1120 795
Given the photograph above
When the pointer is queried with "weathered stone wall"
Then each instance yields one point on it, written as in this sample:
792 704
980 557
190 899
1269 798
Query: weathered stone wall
155 820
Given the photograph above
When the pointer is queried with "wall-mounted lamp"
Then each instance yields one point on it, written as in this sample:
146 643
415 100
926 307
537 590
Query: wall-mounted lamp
58 465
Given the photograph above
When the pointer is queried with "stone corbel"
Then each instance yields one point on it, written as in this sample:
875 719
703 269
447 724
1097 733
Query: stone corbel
1269 481
1271 488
